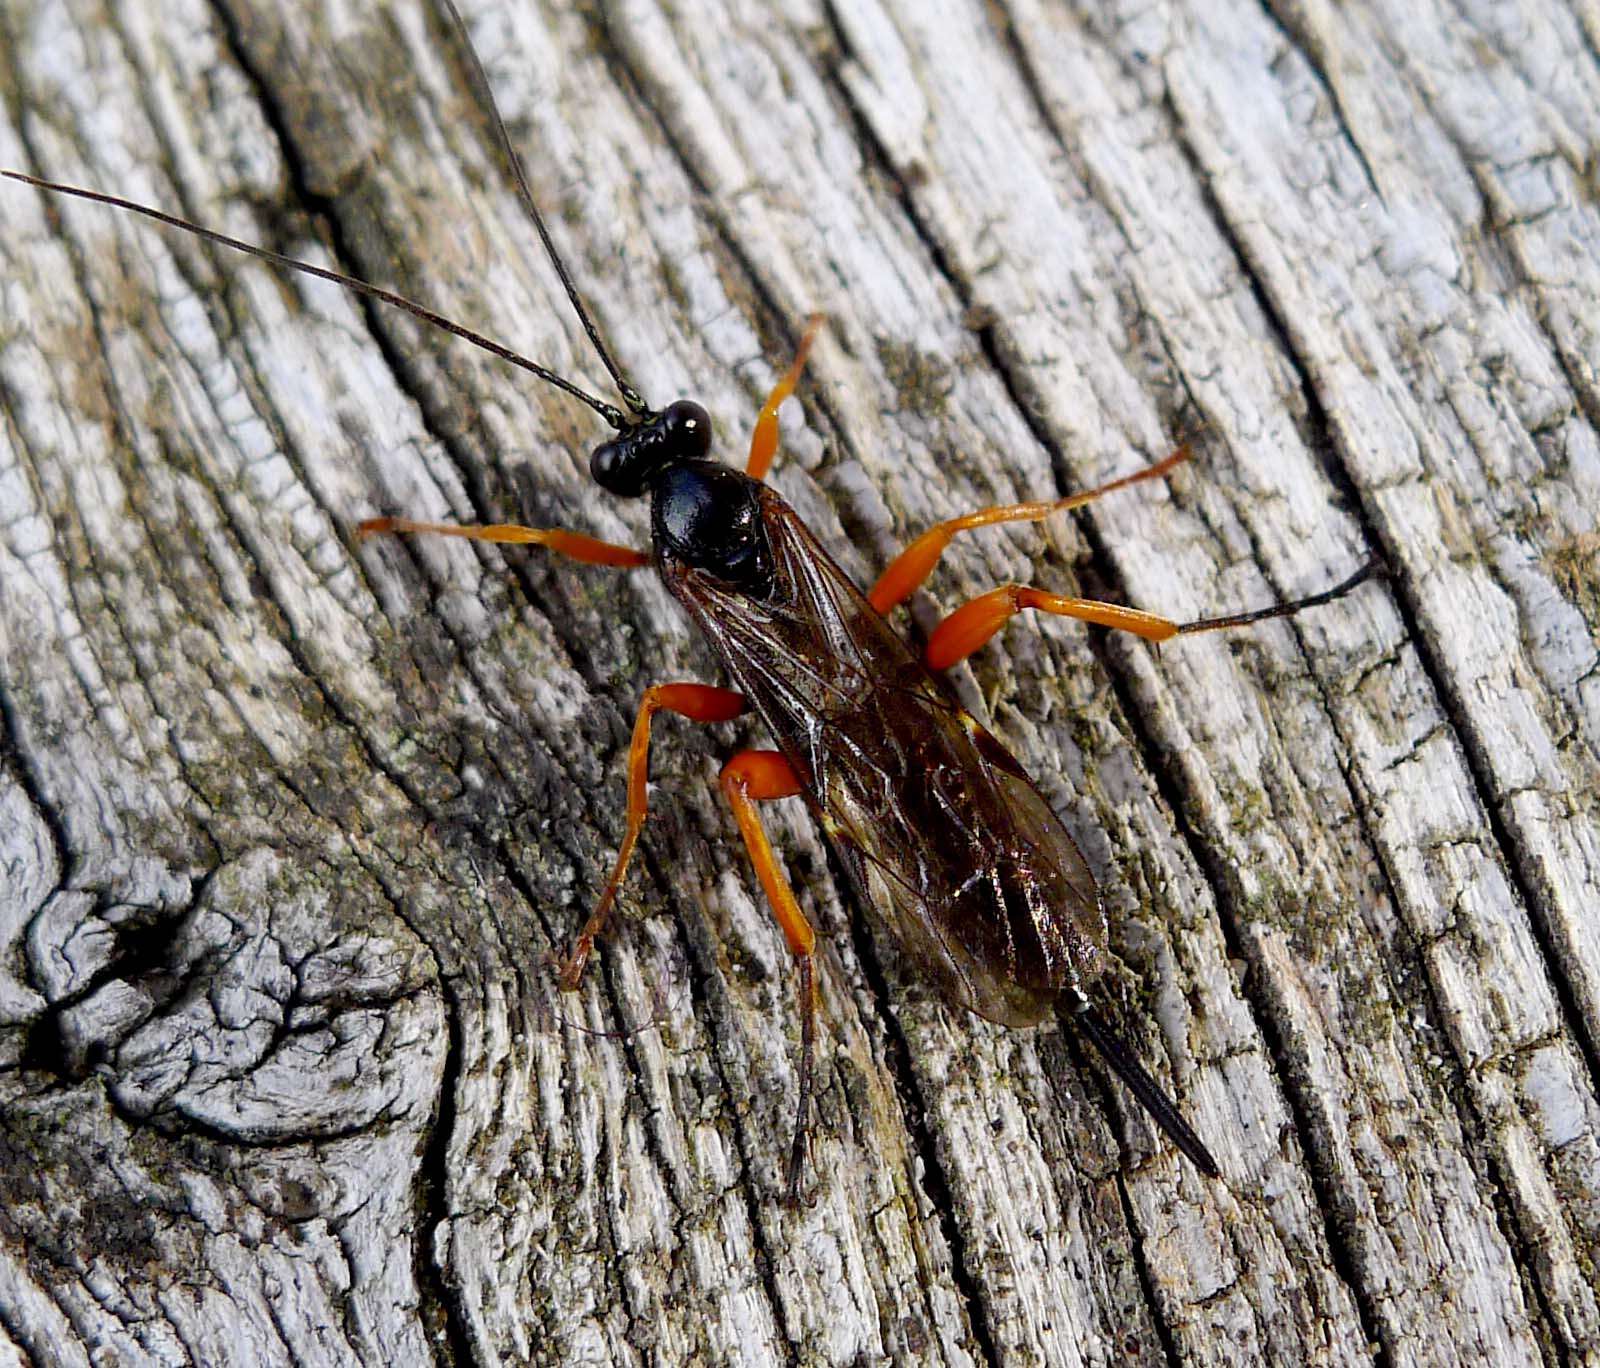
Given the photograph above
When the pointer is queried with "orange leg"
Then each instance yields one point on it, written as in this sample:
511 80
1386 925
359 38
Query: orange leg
764 440
748 778
972 624
699 703
913 565
573 544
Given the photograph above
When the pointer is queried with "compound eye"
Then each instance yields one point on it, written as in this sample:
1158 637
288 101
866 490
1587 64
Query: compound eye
687 429
625 465
608 465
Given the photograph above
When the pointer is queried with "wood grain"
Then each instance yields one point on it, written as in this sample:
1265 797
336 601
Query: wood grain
290 827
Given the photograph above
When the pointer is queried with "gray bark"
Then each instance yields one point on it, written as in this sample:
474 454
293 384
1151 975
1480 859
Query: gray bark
290 828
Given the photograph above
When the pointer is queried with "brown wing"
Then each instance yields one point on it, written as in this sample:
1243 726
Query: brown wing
942 832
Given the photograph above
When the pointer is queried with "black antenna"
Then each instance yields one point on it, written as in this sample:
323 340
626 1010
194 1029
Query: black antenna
609 412
630 395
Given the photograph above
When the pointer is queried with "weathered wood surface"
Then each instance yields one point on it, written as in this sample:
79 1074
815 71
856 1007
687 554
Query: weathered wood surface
289 828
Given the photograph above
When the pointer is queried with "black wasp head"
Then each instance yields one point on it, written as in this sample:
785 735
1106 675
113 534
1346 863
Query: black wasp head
627 465
709 517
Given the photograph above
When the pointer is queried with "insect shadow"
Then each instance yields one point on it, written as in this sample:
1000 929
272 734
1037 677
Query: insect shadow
936 825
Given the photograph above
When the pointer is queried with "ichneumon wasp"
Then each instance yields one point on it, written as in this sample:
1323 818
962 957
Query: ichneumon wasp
938 828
